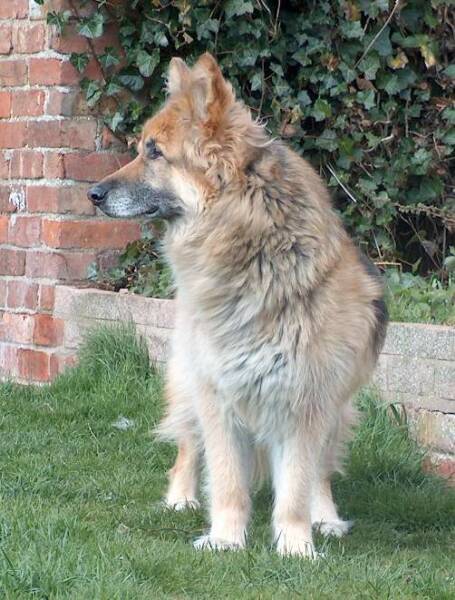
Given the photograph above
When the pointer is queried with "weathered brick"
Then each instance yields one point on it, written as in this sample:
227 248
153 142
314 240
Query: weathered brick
48 330
12 262
8 358
13 72
72 41
3 229
18 327
28 103
28 38
24 231
60 361
5 164
5 104
66 266
26 164
46 297
34 365
12 135
5 205
52 71
3 292
61 199
89 234
22 294
53 165
6 43
13 9
62 133
93 166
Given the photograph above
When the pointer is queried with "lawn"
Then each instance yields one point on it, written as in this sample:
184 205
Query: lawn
80 516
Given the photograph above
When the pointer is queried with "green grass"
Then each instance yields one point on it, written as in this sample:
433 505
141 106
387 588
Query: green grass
416 299
80 515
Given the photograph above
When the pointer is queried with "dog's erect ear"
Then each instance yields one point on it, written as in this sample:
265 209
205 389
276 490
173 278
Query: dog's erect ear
212 94
178 75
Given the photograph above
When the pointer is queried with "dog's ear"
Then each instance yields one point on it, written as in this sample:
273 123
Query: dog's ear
212 94
178 75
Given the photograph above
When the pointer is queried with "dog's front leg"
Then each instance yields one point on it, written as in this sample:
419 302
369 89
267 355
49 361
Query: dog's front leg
229 461
294 460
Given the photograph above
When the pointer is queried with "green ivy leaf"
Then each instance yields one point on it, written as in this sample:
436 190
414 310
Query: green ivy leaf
93 26
256 82
58 19
352 29
80 61
367 98
131 80
449 137
110 58
93 91
370 65
321 110
327 140
147 63
237 8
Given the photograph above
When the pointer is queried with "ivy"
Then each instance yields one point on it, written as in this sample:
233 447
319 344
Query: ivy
363 89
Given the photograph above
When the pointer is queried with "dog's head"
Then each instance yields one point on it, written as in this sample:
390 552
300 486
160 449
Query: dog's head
201 140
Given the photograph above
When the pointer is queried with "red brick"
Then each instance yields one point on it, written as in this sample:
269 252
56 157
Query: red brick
12 262
5 205
8 359
5 104
5 38
52 71
62 199
22 294
28 103
93 166
46 297
13 72
3 292
12 135
111 141
89 234
72 41
67 266
18 327
28 38
24 231
62 361
53 165
34 365
13 9
62 133
5 164
3 229
27 164
48 330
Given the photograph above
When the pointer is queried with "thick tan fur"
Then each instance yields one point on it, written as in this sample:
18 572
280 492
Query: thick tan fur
279 319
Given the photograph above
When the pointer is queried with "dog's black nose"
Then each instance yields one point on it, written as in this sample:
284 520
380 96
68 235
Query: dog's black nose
96 194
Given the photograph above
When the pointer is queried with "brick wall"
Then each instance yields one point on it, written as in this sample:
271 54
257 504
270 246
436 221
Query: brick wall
51 146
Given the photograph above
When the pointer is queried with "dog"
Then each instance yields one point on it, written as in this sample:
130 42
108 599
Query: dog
279 318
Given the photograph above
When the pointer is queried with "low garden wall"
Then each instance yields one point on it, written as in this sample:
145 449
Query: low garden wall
416 368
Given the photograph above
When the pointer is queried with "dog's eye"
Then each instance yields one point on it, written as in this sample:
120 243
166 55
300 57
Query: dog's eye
152 151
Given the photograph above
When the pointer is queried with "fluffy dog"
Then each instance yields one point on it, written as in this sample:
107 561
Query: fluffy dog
279 317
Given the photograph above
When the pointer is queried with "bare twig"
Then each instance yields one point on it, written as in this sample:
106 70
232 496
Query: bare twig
373 41
341 184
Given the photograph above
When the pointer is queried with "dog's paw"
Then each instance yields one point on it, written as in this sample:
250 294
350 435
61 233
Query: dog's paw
293 544
183 504
336 528
207 542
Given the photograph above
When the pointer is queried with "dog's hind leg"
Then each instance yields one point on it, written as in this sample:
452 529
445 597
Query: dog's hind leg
183 477
179 425
324 514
